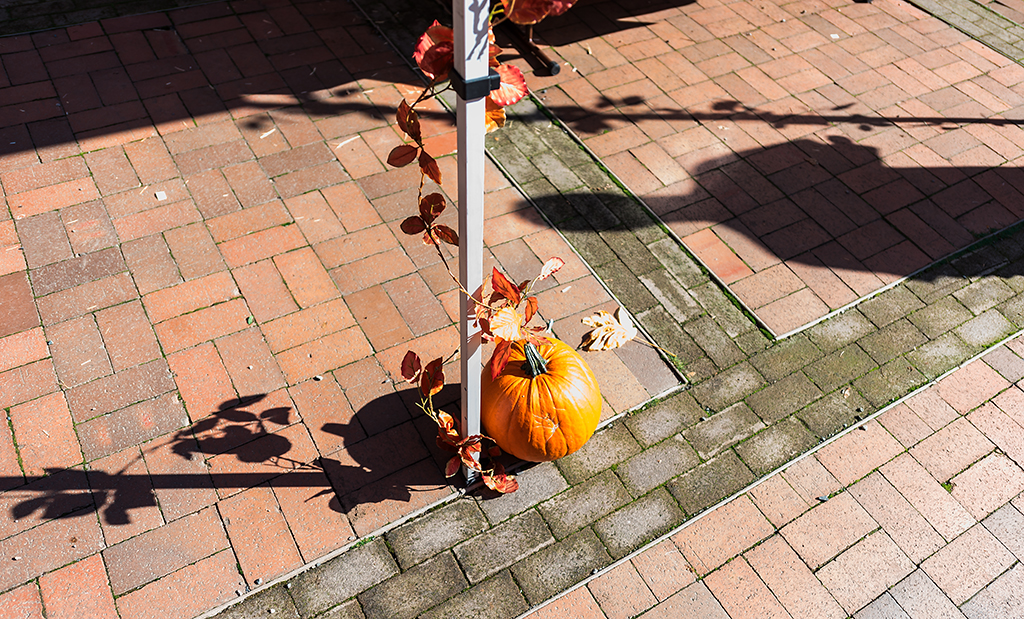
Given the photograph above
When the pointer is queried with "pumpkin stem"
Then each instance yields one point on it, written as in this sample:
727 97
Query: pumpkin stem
535 365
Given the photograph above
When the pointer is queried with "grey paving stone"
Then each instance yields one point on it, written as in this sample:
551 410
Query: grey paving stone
561 565
678 262
983 294
649 367
784 397
661 420
1007 524
538 483
514 161
940 316
776 445
752 342
985 329
1002 598
1013 310
557 209
582 238
631 251
669 334
340 578
883 607
629 211
694 601
978 262
839 368
1006 362
671 294
891 341
407 595
590 207
920 597
607 447
656 465
785 357
725 313
716 344
728 387
710 482
348 610
584 503
273 601
835 412
639 522
722 430
939 355
840 330
566 148
890 305
936 282
438 530
625 285
492 551
498 596
888 382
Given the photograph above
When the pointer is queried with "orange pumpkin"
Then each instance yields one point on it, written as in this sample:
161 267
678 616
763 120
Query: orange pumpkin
544 405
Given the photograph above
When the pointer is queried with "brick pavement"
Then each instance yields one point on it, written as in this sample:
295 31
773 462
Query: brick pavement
915 513
808 153
754 404
205 295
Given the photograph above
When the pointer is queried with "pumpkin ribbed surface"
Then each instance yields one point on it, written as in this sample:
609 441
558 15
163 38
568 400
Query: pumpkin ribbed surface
544 417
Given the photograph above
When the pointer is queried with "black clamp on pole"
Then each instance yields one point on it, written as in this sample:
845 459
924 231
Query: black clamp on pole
476 88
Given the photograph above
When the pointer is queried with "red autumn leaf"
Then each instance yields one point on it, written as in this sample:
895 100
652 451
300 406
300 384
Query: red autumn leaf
560 6
550 268
402 155
435 34
468 452
446 234
411 366
499 359
408 120
453 466
494 451
431 205
438 61
427 239
530 309
526 12
513 85
504 287
413 225
499 481
432 379
429 167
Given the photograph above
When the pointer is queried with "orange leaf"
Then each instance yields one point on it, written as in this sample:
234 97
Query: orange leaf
504 287
411 366
429 167
413 225
431 205
446 234
494 117
500 357
432 379
507 324
609 330
513 85
499 481
402 155
530 309
526 12
560 6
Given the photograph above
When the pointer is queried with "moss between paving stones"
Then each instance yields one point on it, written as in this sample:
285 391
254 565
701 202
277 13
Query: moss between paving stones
584 503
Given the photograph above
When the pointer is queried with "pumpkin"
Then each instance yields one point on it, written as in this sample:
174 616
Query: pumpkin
544 405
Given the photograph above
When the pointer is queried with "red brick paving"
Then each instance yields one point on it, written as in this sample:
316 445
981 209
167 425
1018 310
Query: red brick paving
887 539
205 296
834 106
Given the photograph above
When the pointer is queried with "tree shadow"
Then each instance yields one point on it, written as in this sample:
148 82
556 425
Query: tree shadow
385 457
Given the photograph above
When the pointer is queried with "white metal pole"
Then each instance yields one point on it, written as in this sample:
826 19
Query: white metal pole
471 56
